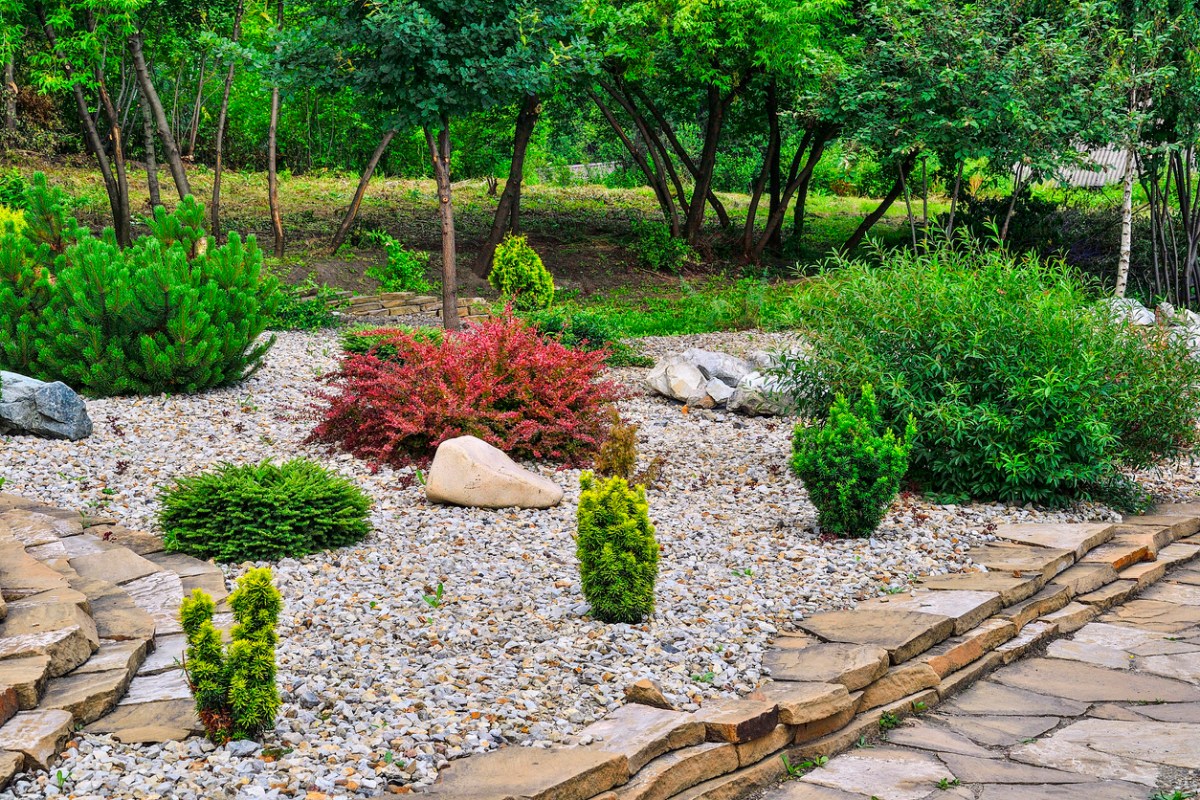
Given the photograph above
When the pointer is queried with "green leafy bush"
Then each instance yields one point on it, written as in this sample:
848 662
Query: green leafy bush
171 313
1024 388
851 464
261 512
404 270
617 551
657 249
12 189
363 339
519 274
234 688
584 329
306 307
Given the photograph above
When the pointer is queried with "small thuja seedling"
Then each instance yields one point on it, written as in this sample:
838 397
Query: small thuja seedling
434 600
888 721
706 677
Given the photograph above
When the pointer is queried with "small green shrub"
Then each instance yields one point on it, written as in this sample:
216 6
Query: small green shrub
585 329
618 454
362 339
262 512
617 551
11 220
1024 387
171 313
520 276
306 307
404 270
234 688
12 189
657 249
851 465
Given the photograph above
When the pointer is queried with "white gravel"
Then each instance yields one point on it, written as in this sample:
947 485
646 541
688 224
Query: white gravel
380 689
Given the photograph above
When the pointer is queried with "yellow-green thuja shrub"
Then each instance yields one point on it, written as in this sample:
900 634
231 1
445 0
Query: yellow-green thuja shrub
617 551
519 274
234 688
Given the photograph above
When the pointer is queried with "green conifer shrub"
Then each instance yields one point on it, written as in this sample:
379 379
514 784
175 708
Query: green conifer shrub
617 551
851 464
261 512
171 313
234 687
519 274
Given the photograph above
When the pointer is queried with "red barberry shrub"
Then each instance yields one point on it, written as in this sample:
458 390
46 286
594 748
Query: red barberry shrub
500 381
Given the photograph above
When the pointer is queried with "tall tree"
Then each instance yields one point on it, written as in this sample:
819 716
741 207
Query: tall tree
222 117
273 139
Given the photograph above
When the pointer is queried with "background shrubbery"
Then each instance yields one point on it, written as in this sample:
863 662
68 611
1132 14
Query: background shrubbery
262 512
499 381
519 275
172 313
1023 387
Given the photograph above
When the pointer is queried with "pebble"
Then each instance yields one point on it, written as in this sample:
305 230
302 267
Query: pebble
379 688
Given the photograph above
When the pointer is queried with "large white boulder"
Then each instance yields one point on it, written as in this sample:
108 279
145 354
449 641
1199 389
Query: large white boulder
470 472
760 394
50 410
1132 310
722 366
677 378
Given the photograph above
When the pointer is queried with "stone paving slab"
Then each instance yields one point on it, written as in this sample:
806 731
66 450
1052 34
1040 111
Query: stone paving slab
1011 588
564 774
903 634
968 608
1013 558
852 665
1077 537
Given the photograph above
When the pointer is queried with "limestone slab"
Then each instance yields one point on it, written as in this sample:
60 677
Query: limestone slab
970 769
882 772
1000 731
1177 554
1010 558
1032 636
1077 537
673 773
1011 588
904 634
756 750
924 735
900 681
116 655
853 666
116 566
1178 593
989 698
87 696
1058 753
1099 790
1174 744
1110 595
1099 655
1087 683
149 688
1071 617
1182 522
27 676
958 652
1145 573
175 714
735 785
39 735
138 541
1123 551
167 656
66 648
1084 578
10 764
33 528
1155 615
159 595
1119 637
738 719
642 733
966 607
961 679
115 614
800 703
1171 712
22 575
1181 666
822 727
572 773
1047 601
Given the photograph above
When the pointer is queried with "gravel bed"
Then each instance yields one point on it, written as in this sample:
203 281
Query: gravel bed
380 689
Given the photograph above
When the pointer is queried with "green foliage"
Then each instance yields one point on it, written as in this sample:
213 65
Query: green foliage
585 329
617 551
404 270
657 249
261 512
172 313
1024 389
373 339
307 307
851 465
12 189
234 688
520 276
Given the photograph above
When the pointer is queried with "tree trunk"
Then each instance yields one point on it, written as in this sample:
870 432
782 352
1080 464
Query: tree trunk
1126 226
10 95
748 238
122 226
439 149
954 200
151 160
798 184
863 229
665 202
708 162
504 220
272 145
170 149
116 202
222 114
1012 204
194 127
774 144
352 213
912 224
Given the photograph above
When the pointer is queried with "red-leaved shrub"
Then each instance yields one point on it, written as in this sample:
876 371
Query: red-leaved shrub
500 381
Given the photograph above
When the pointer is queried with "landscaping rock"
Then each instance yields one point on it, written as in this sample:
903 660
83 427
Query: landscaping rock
642 733
470 472
677 378
37 734
575 773
721 366
33 407
760 395
648 693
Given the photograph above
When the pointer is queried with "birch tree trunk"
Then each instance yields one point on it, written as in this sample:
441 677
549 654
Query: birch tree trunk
1126 226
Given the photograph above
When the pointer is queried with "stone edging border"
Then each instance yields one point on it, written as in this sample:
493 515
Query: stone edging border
836 679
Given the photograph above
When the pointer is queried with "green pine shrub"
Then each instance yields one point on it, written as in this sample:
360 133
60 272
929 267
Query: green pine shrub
617 551
172 313
262 512
234 687
1024 387
851 464
520 276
